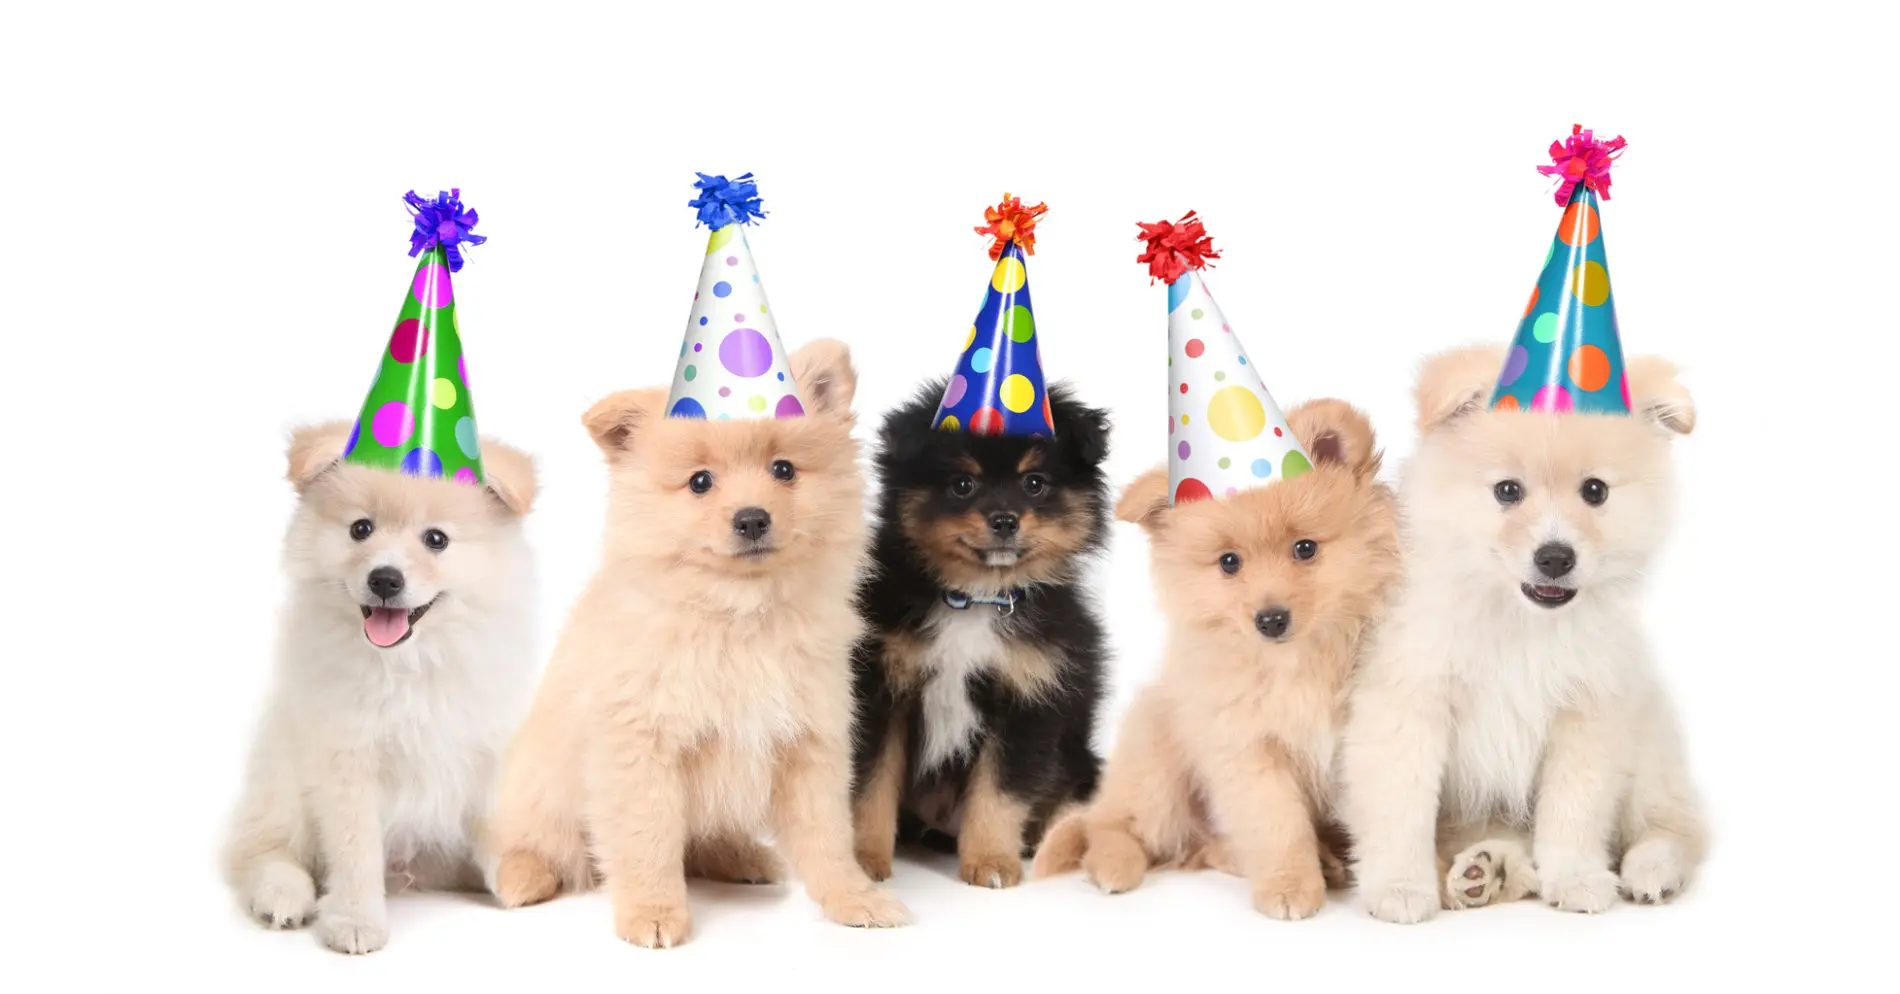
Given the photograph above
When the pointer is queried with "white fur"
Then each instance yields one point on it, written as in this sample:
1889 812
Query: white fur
962 645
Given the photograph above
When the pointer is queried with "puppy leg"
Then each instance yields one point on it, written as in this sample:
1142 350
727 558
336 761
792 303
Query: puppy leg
990 840
1272 831
267 858
811 808
1146 813
352 916
1491 865
1392 762
637 806
734 859
874 814
534 844
1580 786
1663 826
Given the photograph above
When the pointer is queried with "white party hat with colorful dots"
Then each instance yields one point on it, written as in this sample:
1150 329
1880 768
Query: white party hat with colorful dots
731 364
1225 433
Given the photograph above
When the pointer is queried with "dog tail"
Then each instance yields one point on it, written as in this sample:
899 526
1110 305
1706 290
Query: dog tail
1063 847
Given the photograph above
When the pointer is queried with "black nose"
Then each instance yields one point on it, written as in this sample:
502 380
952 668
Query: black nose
1273 622
1554 559
385 581
1004 524
752 523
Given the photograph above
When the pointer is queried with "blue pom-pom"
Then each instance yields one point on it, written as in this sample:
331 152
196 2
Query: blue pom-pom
445 222
722 201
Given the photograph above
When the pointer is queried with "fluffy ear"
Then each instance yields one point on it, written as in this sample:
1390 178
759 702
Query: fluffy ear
313 450
1144 501
1656 394
1456 383
1334 432
1082 430
510 476
619 418
826 380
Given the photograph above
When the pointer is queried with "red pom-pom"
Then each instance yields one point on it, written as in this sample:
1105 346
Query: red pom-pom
1174 247
1581 158
1010 221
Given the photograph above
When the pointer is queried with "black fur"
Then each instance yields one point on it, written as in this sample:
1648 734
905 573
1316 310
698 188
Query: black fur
1043 748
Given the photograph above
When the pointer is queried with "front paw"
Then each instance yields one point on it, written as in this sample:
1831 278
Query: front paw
1402 902
282 896
353 926
1290 896
1589 892
653 926
868 908
992 870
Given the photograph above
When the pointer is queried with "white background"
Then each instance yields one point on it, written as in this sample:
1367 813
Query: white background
204 244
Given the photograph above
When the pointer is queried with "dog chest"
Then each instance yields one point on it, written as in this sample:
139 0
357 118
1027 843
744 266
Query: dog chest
961 644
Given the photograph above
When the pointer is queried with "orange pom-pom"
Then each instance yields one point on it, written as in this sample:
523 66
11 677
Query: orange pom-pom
1010 221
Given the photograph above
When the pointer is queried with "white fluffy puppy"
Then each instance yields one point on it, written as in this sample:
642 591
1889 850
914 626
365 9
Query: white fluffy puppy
404 663
1507 734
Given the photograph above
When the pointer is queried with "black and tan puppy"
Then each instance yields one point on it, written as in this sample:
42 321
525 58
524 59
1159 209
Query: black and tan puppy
979 680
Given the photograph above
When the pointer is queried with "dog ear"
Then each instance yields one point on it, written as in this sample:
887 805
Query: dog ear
510 476
1334 432
825 377
1084 430
1144 501
1657 394
1455 383
619 418
314 449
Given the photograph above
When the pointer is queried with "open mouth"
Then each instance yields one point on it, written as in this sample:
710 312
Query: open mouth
391 626
1549 596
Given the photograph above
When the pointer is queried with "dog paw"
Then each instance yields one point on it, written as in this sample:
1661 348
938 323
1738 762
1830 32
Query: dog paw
1651 873
282 896
876 865
1402 902
1290 897
1587 892
353 926
741 861
993 871
1115 864
1474 879
523 878
653 926
869 908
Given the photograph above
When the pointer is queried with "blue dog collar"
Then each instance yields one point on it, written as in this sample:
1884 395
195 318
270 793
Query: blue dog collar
957 600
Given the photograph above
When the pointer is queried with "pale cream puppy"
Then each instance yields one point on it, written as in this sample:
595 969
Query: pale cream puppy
1508 734
700 693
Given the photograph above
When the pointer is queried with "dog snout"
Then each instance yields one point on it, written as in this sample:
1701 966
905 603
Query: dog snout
1004 524
385 582
752 523
1273 622
1554 559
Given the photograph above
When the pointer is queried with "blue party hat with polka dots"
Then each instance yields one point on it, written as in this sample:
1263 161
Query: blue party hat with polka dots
1568 355
731 364
1225 433
998 386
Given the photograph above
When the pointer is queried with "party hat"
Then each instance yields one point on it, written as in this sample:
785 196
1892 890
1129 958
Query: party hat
419 418
1225 433
731 364
997 388
1567 355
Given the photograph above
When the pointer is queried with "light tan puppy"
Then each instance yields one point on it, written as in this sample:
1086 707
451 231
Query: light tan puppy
1226 759
1508 735
701 691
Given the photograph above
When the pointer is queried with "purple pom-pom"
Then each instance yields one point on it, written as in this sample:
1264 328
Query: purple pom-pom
445 222
722 201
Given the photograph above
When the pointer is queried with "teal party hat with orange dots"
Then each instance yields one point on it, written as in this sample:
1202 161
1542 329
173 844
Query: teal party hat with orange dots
419 418
998 387
1568 355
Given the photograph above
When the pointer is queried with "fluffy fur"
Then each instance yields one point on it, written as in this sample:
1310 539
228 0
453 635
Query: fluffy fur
700 691
372 767
1504 740
974 723
1227 759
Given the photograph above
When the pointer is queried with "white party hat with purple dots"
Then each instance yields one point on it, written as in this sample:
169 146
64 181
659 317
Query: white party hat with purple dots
732 364
1225 433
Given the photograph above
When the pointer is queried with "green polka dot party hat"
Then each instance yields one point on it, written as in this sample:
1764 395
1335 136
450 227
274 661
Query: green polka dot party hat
731 364
1225 433
419 418
998 388
1567 355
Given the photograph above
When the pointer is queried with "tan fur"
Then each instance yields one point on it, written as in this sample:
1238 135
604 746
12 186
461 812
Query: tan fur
1225 760
697 698
874 816
990 841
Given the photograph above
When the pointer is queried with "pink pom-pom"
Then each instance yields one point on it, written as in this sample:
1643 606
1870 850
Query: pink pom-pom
1581 158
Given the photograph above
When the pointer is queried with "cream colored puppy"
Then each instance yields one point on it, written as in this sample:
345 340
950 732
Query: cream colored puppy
1507 734
700 693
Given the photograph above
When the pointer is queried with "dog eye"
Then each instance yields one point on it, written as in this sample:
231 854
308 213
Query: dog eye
1035 484
435 540
361 529
962 486
1305 549
700 483
1229 563
783 472
1595 491
1508 492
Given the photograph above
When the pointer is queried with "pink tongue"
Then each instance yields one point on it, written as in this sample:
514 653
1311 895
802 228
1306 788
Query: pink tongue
386 625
